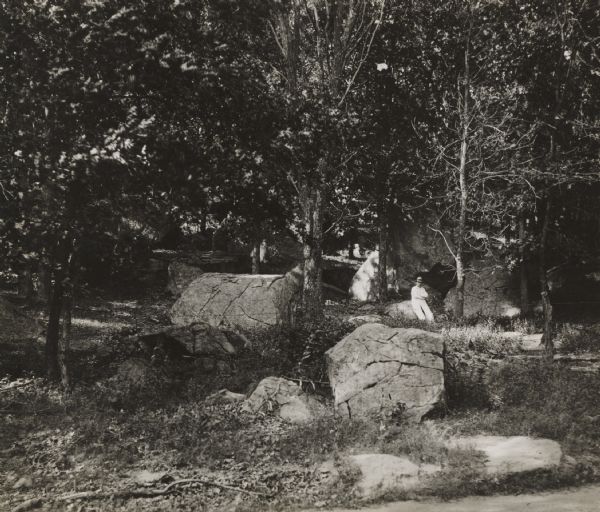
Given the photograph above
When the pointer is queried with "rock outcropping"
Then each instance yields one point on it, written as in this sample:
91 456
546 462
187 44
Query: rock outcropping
383 370
239 300
488 291
365 283
418 248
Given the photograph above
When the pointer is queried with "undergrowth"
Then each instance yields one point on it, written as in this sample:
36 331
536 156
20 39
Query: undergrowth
165 419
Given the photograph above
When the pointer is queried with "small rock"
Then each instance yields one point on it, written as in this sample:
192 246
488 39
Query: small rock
145 477
25 482
382 472
569 461
285 398
364 319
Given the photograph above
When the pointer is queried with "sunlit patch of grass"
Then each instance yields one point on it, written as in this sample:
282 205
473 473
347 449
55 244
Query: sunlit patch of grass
99 324
131 304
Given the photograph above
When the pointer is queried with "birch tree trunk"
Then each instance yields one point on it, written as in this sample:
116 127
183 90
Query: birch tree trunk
524 282
383 257
55 305
459 305
64 344
545 290
256 255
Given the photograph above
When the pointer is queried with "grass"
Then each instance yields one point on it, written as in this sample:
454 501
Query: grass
105 429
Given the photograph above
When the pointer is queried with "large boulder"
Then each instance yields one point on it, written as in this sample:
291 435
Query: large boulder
181 274
15 324
418 248
383 370
365 283
488 291
284 398
239 300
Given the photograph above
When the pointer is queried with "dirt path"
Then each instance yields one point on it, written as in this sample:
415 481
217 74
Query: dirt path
583 499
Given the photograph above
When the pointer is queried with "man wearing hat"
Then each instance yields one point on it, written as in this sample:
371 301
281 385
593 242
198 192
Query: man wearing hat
418 295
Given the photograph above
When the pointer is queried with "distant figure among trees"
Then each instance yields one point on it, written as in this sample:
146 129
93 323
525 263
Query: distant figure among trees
418 296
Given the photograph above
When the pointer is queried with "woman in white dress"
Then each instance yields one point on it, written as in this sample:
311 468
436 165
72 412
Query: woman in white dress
418 296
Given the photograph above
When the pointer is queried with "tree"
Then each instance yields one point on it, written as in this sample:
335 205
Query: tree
323 46
88 82
560 76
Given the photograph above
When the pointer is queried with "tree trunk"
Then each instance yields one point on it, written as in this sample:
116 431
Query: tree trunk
65 338
204 216
383 257
25 284
545 290
53 331
459 305
43 291
524 284
312 294
256 256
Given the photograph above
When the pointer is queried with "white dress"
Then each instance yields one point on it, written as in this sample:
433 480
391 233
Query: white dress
419 304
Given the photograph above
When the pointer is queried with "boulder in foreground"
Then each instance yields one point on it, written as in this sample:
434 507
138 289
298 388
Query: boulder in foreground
385 371
516 454
381 472
239 300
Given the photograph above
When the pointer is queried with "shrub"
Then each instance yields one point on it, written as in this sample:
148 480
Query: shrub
471 352
578 338
548 401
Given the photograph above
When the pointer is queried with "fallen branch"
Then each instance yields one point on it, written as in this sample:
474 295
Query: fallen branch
213 484
134 493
